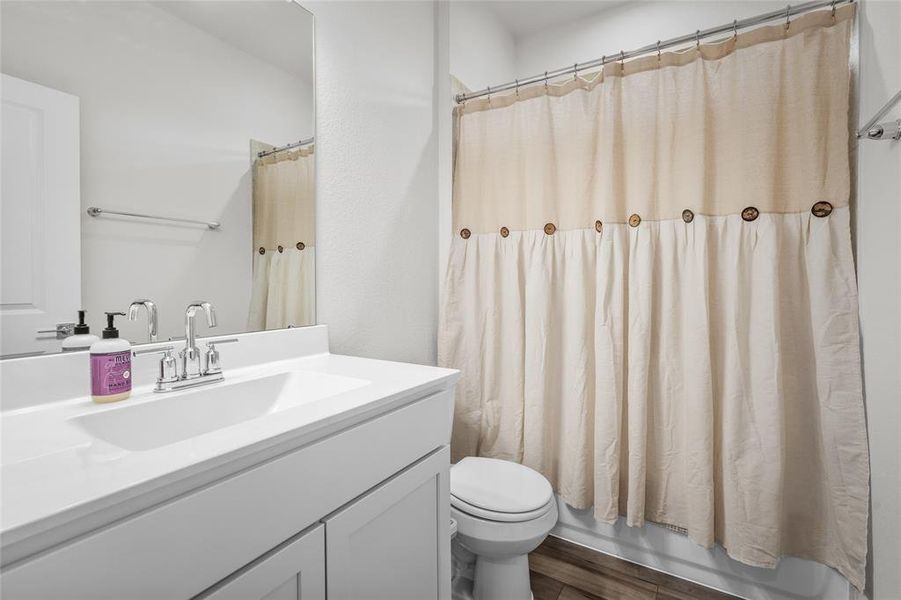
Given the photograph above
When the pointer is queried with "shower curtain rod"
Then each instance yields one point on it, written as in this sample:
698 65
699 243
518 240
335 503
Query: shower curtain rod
733 27
874 130
286 147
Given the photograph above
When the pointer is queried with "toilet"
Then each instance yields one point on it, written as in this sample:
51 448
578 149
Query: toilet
503 511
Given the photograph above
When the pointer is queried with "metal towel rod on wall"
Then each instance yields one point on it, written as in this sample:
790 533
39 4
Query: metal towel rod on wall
96 212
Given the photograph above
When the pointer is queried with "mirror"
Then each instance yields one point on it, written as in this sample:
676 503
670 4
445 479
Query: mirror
159 151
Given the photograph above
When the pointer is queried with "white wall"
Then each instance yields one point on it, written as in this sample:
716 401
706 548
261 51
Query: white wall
625 26
879 279
167 114
444 108
377 208
482 50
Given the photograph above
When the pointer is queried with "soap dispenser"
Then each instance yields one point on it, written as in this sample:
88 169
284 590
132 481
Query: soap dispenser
110 364
82 339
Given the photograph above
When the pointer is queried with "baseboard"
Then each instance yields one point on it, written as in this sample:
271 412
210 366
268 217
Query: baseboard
665 550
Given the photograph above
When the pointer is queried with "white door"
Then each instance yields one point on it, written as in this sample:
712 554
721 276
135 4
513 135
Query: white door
40 215
394 542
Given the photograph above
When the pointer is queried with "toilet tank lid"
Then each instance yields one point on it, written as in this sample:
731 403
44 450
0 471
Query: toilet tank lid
499 485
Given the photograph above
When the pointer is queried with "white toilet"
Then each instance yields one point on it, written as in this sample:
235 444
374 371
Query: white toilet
503 511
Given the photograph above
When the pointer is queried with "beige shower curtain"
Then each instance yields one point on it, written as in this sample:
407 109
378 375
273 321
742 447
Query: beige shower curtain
652 298
283 290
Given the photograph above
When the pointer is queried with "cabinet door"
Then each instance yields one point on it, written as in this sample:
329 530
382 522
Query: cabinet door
294 570
393 543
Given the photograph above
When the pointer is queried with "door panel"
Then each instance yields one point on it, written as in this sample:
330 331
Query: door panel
40 215
293 571
393 543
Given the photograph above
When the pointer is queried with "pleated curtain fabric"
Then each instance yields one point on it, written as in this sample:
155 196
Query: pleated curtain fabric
651 293
283 290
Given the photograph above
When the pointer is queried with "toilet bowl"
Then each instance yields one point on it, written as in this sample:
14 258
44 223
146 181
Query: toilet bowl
503 511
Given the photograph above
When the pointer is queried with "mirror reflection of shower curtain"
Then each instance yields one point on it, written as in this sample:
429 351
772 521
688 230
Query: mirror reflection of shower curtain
283 292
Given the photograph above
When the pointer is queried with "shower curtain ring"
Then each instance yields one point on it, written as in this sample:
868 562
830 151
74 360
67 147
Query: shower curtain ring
658 50
698 39
517 87
622 62
489 94
788 12
545 81
575 71
734 29
833 10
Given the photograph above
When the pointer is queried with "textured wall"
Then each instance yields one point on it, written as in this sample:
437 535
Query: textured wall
879 280
377 188
627 25
482 51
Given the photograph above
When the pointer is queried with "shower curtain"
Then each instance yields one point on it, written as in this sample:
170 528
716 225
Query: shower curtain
283 290
651 293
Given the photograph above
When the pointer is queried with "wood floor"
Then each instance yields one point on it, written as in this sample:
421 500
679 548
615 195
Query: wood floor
565 571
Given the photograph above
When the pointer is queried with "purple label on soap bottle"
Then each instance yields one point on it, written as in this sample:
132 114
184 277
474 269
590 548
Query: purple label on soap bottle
110 373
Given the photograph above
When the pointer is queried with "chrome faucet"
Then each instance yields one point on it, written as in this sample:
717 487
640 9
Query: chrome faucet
152 316
193 367
190 356
169 378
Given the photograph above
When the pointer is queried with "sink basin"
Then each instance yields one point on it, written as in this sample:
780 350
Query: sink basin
179 416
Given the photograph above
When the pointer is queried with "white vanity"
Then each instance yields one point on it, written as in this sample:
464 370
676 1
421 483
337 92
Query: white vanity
302 475
177 160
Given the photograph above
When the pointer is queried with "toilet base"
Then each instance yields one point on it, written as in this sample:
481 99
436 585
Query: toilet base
501 553
504 578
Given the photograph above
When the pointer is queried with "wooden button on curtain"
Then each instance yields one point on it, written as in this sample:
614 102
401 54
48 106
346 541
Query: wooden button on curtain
634 220
504 232
281 249
598 226
262 250
688 216
550 228
300 245
750 214
821 209
465 233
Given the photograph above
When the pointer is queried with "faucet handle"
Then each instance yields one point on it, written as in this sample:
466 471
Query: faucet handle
212 360
168 365
168 368
213 365
162 350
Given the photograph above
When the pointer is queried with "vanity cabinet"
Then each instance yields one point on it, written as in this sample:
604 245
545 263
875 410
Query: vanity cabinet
361 512
388 544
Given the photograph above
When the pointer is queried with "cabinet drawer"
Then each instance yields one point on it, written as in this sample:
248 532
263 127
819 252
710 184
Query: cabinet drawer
182 547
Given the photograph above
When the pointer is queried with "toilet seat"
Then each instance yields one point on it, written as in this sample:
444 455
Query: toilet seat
502 517
499 490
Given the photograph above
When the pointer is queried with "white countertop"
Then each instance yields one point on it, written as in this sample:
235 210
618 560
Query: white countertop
54 473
